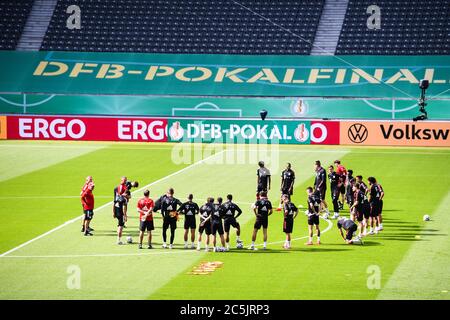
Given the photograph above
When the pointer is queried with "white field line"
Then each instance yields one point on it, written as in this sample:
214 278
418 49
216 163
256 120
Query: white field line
159 252
108 204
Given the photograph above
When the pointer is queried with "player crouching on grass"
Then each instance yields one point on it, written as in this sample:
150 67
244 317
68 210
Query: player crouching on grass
360 210
350 227
262 209
230 220
189 209
87 200
145 207
290 213
206 211
314 201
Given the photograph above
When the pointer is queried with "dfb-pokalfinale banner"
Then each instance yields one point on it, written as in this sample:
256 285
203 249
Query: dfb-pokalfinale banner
222 75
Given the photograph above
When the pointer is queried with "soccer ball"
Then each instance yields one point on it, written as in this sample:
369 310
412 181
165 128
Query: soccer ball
129 239
239 245
426 217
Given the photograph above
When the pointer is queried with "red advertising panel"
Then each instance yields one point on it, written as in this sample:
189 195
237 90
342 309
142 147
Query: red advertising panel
324 132
86 128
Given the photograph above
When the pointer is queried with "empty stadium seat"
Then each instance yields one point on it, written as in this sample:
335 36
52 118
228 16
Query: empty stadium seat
13 16
408 27
187 26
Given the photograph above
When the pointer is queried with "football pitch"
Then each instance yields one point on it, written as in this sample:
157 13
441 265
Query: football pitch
41 245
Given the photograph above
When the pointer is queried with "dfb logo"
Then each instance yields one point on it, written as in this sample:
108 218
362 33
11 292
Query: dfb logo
358 133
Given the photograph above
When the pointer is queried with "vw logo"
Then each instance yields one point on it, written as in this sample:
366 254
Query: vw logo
358 133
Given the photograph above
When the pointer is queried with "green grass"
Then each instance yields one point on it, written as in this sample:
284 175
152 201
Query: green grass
416 182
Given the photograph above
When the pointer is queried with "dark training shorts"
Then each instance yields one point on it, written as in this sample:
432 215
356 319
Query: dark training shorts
351 231
88 214
288 225
216 227
375 209
146 225
118 214
261 222
189 222
228 222
313 220
206 228
323 193
172 223
261 187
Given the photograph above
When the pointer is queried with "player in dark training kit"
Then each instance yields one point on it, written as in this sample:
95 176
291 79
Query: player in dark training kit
320 184
290 212
350 227
168 206
206 212
375 195
349 182
335 189
287 183
217 225
263 179
189 209
342 172
119 213
230 209
314 202
262 210
360 210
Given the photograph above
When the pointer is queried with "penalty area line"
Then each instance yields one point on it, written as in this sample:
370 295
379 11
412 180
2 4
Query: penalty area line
159 252
108 204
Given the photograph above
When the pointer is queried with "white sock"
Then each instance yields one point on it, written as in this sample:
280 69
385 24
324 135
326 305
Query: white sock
265 243
185 243
288 243
318 238
238 238
253 243
310 239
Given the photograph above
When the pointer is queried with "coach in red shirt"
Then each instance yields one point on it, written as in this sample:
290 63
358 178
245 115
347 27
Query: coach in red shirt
87 200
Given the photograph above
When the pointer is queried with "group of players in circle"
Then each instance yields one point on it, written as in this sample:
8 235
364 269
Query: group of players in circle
217 217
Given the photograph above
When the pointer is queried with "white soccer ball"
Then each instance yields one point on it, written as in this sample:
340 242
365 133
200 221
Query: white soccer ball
239 245
129 239
426 217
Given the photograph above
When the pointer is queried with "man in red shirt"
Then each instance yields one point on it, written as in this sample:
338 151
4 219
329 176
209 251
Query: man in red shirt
83 189
87 200
342 172
145 208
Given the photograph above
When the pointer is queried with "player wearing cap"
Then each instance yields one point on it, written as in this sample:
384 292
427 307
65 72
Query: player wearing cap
189 209
145 209
87 201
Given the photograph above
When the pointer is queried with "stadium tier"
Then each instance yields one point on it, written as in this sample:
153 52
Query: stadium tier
190 26
409 27
13 16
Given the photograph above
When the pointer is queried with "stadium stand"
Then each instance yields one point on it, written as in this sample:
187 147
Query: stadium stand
408 27
186 26
13 16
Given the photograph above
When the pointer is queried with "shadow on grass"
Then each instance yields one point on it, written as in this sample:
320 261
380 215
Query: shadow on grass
294 249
